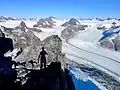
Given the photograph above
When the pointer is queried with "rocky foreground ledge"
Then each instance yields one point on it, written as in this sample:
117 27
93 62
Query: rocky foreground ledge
51 78
16 76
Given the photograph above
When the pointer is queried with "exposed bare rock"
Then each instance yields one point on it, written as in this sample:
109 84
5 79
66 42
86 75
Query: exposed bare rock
101 27
22 35
3 19
45 23
22 26
107 43
2 34
67 33
31 38
116 44
5 29
24 39
35 30
99 19
70 31
72 21
53 46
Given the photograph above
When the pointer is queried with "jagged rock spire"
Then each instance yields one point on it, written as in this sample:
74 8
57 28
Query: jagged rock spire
22 26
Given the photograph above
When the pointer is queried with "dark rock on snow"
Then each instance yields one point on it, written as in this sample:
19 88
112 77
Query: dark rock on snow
45 23
72 21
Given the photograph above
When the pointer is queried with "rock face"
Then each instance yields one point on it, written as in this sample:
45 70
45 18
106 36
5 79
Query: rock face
99 19
53 46
116 44
106 43
70 31
31 38
22 26
72 26
101 28
72 21
22 35
45 23
1 33
26 39
52 78
22 78
67 33
2 18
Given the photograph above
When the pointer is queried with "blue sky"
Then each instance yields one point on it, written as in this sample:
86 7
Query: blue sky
60 8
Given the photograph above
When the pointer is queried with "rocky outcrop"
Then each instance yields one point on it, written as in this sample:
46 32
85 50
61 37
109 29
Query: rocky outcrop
2 18
99 19
52 78
107 43
116 44
113 43
17 76
101 28
67 33
45 23
22 35
26 39
22 26
1 33
31 38
53 46
70 31
35 30
71 22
